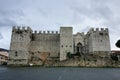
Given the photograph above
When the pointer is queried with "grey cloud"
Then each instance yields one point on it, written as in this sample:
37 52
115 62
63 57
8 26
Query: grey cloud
7 22
86 28
42 12
9 17
12 12
97 10
93 10
1 36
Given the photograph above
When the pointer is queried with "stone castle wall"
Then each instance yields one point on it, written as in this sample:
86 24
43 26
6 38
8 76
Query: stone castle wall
46 42
26 45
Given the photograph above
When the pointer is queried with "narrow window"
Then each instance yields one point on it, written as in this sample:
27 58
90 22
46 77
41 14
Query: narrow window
70 45
101 34
32 53
1 57
16 53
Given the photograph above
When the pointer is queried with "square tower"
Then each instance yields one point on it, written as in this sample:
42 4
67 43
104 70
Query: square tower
98 42
66 42
20 40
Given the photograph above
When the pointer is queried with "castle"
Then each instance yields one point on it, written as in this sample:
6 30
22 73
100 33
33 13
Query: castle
25 43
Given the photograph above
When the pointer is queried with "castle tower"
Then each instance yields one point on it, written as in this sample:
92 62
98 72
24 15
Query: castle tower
98 41
66 42
20 40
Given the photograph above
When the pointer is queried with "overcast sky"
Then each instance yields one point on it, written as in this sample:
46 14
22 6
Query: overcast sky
51 14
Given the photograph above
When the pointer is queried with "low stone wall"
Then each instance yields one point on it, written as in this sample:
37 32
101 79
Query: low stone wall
87 61
81 61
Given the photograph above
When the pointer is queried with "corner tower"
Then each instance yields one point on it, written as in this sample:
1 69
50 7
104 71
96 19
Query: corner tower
66 42
20 40
98 41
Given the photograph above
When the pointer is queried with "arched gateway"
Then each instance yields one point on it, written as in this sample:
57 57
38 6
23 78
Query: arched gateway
79 47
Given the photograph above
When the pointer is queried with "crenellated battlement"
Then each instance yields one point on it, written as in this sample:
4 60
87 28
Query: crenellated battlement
45 32
102 29
21 28
93 30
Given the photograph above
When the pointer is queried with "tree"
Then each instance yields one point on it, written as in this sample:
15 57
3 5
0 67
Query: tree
69 55
118 43
114 56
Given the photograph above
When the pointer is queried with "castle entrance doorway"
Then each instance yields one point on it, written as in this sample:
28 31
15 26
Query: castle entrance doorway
79 48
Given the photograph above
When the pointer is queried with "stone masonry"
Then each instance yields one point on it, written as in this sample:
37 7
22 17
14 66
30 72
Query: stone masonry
27 46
